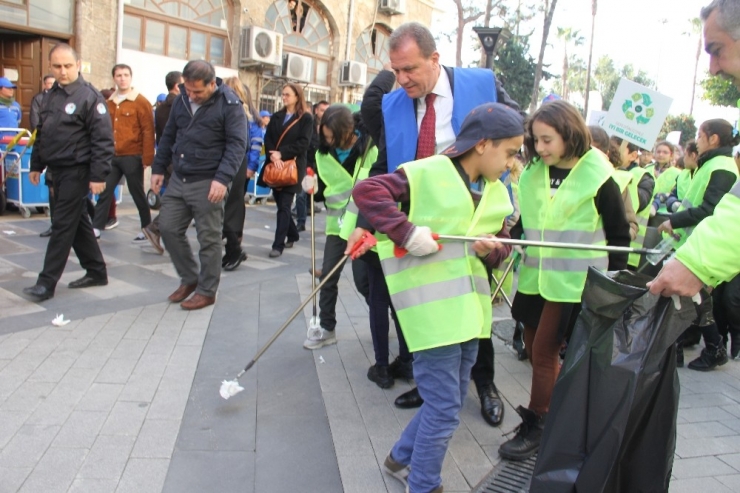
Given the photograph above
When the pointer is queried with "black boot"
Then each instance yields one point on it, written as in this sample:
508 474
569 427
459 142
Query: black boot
401 369
518 341
526 443
711 357
381 376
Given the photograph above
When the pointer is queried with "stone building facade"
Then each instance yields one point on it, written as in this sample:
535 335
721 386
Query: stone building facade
157 36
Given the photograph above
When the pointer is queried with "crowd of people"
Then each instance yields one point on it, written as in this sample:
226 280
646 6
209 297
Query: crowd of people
433 150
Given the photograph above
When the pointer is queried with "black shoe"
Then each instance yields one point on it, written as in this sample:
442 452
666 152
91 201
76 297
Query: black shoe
409 400
711 357
381 377
734 345
46 233
229 266
401 369
518 342
491 405
38 292
526 443
86 282
301 227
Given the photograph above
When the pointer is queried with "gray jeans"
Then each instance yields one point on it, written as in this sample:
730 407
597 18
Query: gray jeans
183 202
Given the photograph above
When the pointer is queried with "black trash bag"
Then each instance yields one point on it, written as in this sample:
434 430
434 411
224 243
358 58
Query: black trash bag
612 420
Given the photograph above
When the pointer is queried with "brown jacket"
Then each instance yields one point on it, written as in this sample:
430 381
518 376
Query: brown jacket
133 126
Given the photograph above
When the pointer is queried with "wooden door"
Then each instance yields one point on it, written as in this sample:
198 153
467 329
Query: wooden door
23 54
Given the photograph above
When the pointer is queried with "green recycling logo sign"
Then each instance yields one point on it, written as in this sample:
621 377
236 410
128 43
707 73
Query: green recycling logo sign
639 108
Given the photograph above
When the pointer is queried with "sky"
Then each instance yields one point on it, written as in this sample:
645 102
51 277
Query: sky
629 31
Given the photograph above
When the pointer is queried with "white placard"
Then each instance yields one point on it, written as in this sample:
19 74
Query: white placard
596 117
11 74
637 113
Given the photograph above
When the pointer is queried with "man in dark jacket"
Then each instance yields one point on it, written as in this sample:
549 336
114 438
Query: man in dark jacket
205 139
35 114
75 140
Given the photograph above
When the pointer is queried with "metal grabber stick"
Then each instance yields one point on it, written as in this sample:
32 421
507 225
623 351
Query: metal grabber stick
231 387
314 324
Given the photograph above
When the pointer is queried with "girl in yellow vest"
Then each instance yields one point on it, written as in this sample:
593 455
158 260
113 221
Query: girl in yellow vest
665 173
567 195
344 148
690 163
714 177
442 296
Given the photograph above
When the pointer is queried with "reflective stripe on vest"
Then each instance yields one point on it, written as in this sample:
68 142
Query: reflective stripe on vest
700 181
569 215
444 298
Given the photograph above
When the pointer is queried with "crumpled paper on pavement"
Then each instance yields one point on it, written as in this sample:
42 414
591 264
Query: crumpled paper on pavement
230 388
59 320
8 232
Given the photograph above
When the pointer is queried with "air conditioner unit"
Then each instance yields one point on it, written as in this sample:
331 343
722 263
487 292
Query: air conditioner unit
296 67
393 7
260 47
352 73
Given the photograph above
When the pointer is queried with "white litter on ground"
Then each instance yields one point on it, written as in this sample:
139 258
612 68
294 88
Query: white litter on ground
9 232
321 359
230 388
59 320
267 227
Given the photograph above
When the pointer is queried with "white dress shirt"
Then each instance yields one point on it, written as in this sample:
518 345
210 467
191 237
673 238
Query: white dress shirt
443 131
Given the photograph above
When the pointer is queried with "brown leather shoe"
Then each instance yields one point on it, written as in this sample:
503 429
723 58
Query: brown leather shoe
182 292
197 302
154 239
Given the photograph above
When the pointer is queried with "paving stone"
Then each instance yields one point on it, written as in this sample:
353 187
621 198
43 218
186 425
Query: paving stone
699 467
125 418
347 426
116 371
168 404
361 474
156 439
140 387
704 429
11 478
89 485
52 369
693 485
55 471
100 397
698 447
195 471
731 481
80 430
27 446
107 458
129 349
701 414
151 364
144 476
11 423
28 396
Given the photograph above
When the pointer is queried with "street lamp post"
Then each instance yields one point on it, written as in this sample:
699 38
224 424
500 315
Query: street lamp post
491 38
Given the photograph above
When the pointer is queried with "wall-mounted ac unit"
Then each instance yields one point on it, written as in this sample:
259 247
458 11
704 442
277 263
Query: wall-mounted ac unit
260 47
297 67
393 7
352 73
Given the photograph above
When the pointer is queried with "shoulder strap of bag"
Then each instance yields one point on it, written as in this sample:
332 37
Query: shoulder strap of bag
359 166
286 131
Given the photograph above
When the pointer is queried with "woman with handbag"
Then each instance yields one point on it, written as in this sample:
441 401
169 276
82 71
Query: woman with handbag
287 139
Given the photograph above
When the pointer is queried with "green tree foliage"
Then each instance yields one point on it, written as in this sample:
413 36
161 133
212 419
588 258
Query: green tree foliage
607 76
515 69
683 122
719 91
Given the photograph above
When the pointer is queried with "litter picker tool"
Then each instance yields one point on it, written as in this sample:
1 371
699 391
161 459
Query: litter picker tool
500 284
400 251
314 325
230 388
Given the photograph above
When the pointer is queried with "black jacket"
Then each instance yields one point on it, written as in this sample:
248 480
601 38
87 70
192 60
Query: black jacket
294 145
209 145
35 114
161 115
74 130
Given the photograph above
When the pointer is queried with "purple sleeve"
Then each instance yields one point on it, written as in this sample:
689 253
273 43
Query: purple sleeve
378 198
496 257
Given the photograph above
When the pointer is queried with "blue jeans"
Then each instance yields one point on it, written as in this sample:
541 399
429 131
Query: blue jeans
301 208
442 375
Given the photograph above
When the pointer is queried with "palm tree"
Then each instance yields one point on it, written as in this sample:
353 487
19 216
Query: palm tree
568 35
590 58
695 30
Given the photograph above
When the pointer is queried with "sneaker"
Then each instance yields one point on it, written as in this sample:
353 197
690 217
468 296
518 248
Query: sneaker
396 469
96 232
381 376
112 223
140 239
318 338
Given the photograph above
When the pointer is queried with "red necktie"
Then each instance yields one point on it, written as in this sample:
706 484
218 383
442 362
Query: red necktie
427 140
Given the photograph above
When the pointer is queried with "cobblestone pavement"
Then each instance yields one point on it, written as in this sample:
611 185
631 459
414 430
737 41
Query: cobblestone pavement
125 397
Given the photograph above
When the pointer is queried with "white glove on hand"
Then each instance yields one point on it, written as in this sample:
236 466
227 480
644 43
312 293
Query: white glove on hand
421 243
310 184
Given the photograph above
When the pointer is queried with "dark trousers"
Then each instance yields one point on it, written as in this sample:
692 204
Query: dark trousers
727 307
301 209
49 182
379 302
333 253
482 371
234 213
71 228
285 228
133 170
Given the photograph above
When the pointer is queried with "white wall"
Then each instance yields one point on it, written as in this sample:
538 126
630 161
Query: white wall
150 70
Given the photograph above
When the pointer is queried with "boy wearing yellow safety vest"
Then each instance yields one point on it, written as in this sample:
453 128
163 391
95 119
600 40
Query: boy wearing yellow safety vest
714 178
442 296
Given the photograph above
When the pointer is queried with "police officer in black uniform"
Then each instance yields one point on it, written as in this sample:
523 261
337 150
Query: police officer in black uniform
75 141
